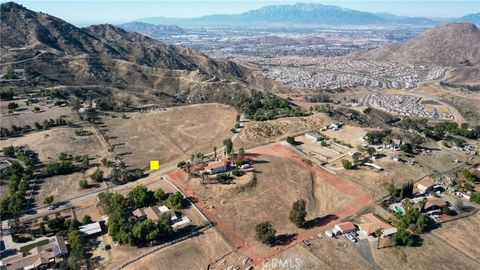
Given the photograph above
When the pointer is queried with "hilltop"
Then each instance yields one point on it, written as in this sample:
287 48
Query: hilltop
151 30
451 44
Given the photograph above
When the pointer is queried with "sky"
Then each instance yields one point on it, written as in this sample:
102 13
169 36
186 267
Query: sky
86 12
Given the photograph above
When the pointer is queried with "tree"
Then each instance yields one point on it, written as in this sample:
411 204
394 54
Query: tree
37 125
421 223
145 231
446 210
12 106
36 109
291 140
9 151
347 164
48 200
159 194
475 197
265 233
370 151
87 219
403 237
298 213
175 200
228 146
77 249
138 197
85 162
83 183
97 176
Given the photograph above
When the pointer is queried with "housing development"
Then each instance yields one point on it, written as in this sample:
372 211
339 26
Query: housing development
298 136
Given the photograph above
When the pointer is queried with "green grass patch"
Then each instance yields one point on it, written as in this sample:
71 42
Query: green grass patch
27 248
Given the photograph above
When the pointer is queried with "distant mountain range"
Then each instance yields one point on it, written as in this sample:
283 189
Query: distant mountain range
151 30
451 44
302 14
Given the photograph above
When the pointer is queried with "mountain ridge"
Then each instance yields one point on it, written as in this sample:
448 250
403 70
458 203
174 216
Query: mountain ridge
55 52
299 13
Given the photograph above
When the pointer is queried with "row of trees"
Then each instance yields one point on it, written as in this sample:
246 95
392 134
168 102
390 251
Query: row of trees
18 180
17 131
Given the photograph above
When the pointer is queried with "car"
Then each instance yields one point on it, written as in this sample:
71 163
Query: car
351 238
51 207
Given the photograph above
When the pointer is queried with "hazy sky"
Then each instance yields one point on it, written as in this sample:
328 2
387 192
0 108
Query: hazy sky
92 11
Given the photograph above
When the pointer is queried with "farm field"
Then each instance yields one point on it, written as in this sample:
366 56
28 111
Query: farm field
170 135
25 116
445 257
205 251
49 144
463 235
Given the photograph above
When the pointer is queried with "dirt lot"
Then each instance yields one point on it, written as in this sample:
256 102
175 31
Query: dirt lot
433 254
280 182
25 116
463 235
258 133
282 176
49 144
170 135
199 252
393 172
324 253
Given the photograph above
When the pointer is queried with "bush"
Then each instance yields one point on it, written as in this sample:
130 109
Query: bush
97 176
347 164
291 140
83 183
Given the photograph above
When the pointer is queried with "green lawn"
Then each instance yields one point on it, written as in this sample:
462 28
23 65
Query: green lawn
27 248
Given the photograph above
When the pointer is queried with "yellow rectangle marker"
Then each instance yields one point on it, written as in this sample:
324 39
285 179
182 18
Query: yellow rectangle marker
154 164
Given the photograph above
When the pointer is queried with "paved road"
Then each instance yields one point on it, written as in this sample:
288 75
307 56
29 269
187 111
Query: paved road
363 248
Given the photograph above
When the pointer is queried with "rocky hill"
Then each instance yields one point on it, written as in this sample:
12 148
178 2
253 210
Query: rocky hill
54 52
451 44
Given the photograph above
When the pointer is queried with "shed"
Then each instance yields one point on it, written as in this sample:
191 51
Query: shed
91 229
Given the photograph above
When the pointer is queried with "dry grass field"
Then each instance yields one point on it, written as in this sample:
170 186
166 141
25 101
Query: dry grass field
433 254
279 182
463 235
393 172
206 251
49 144
25 116
170 135
324 253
